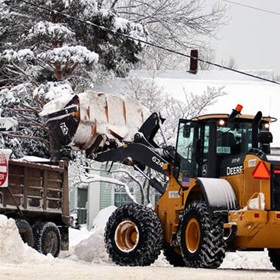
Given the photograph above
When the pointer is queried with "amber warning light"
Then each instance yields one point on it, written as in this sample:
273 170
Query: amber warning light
236 111
238 108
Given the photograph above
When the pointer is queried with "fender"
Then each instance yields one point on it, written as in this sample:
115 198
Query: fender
218 194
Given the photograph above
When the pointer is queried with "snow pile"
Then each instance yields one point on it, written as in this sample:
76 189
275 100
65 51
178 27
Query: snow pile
12 248
88 246
92 248
247 260
85 245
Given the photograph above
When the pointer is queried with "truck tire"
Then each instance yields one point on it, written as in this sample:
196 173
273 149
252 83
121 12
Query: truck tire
173 257
25 232
274 256
47 239
201 237
133 235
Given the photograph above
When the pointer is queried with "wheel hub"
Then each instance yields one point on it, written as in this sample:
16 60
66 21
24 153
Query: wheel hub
193 235
50 243
126 236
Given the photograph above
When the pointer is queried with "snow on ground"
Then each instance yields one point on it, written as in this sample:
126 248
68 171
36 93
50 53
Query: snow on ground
87 259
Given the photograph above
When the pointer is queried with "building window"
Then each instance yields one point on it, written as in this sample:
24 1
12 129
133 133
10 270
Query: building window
121 197
82 197
82 205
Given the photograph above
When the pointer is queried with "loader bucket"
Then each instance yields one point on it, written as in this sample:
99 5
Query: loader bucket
94 121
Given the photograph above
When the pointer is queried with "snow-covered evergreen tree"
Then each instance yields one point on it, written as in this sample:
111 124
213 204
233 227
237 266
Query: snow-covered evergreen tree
50 48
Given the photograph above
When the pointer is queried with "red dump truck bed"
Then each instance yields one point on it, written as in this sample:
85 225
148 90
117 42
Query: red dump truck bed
36 196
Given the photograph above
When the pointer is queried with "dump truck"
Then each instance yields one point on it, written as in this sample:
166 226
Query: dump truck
223 191
34 193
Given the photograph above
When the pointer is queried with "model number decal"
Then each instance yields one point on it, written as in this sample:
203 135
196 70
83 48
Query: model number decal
157 161
234 170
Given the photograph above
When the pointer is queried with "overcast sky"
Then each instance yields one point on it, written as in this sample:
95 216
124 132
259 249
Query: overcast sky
252 36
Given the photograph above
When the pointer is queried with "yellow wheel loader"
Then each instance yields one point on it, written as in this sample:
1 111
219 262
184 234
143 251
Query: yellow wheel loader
223 192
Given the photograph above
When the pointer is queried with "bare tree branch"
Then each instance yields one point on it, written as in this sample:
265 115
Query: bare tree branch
113 4
176 24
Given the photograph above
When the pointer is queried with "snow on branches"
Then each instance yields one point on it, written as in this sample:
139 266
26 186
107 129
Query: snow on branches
135 30
54 90
10 56
64 55
56 31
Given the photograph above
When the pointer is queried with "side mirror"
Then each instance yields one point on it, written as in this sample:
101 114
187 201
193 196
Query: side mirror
265 137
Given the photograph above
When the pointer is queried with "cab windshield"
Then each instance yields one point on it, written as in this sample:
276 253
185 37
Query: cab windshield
201 145
233 139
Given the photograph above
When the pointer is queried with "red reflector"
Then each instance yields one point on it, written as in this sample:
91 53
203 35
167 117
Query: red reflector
261 171
277 216
276 171
256 215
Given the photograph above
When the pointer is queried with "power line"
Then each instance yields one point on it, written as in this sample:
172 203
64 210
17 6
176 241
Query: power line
150 43
251 7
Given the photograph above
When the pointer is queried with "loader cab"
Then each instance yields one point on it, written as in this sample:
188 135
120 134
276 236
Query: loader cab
204 142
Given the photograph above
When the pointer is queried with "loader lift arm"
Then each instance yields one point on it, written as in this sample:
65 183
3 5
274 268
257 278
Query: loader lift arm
134 154
143 151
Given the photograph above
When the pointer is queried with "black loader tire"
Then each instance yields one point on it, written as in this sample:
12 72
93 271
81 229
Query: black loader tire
274 256
47 239
201 237
133 235
173 257
25 232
